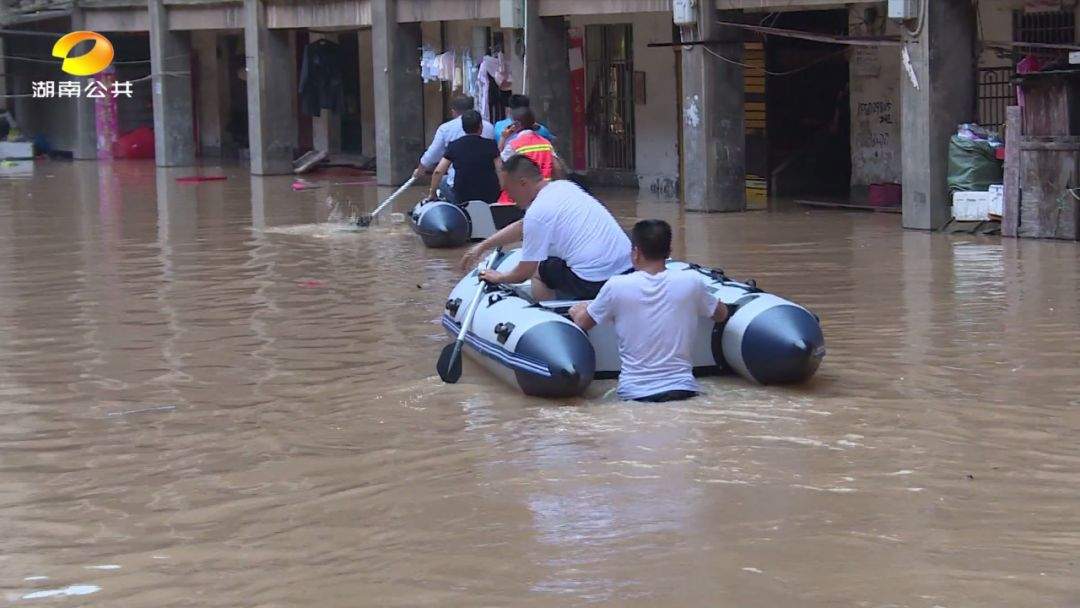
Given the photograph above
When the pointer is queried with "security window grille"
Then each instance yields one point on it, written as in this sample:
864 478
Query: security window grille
609 73
995 93
1058 27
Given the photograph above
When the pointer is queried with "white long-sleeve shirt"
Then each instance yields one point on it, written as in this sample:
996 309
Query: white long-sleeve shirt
447 132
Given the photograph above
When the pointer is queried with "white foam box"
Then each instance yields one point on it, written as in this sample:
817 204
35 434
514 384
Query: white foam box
16 149
972 206
997 200
16 168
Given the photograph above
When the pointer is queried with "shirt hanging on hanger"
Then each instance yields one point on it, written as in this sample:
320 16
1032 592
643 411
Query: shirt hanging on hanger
429 68
468 72
504 77
321 80
498 70
445 63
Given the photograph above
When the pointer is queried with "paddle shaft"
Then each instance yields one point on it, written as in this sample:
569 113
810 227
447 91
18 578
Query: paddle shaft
471 312
449 365
391 198
453 364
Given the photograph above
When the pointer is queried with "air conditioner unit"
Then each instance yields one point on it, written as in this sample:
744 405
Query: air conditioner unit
684 12
512 13
904 9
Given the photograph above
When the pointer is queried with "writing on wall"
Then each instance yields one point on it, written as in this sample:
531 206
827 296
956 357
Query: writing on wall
875 116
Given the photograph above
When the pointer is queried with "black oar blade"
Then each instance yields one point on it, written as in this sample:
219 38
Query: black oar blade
364 221
449 365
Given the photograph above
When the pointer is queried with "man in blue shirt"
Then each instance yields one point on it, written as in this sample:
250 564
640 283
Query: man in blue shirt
447 132
517 101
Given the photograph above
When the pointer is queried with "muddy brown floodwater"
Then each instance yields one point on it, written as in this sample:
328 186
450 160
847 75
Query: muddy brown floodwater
210 398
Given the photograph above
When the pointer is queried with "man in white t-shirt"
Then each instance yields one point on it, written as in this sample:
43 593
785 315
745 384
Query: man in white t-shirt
655 312
571 245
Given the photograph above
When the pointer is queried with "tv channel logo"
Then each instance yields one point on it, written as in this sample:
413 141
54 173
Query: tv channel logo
94 61
99 57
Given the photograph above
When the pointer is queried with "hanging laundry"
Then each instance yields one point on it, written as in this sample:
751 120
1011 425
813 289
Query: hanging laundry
321 83
480 100
429 65
446 66
493 71
468 73
504 77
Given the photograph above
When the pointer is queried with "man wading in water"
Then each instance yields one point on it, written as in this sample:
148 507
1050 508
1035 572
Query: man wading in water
655 312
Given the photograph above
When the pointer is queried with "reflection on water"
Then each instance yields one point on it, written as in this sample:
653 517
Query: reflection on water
212 396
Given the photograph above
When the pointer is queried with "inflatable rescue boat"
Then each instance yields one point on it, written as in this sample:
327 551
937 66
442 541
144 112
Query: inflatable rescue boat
443 224
536 347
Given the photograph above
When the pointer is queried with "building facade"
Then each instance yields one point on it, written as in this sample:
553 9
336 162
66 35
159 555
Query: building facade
864 100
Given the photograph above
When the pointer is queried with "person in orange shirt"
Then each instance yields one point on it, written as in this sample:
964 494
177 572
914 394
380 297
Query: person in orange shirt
522 138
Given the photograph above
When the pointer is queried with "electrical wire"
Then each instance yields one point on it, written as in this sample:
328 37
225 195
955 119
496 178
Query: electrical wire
27 59
921 20
6 32
55 60
770 73
149 76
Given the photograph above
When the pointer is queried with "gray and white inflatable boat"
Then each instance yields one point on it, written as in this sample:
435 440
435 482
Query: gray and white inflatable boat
443 224
534 345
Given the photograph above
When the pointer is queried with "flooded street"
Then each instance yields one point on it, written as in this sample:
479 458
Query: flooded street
209 397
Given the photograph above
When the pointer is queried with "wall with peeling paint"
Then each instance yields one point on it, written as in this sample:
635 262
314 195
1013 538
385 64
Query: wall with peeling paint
656 130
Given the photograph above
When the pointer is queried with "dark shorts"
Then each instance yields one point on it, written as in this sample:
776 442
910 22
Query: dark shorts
557 275
668 396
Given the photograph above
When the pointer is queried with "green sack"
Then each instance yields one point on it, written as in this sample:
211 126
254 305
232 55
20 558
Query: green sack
972 165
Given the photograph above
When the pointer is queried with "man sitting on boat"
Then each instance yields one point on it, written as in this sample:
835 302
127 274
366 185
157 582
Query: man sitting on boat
475 161
655 312
446 133
571 244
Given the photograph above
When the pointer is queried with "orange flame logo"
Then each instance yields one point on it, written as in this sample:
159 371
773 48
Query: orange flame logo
99 57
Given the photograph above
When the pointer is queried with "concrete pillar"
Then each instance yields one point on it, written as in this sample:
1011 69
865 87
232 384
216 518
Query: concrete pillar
367 94
713 136
326 127
85 147
942 60
271 93
399 103
3 69
208 105
513 50
170 63
548 76
225 82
